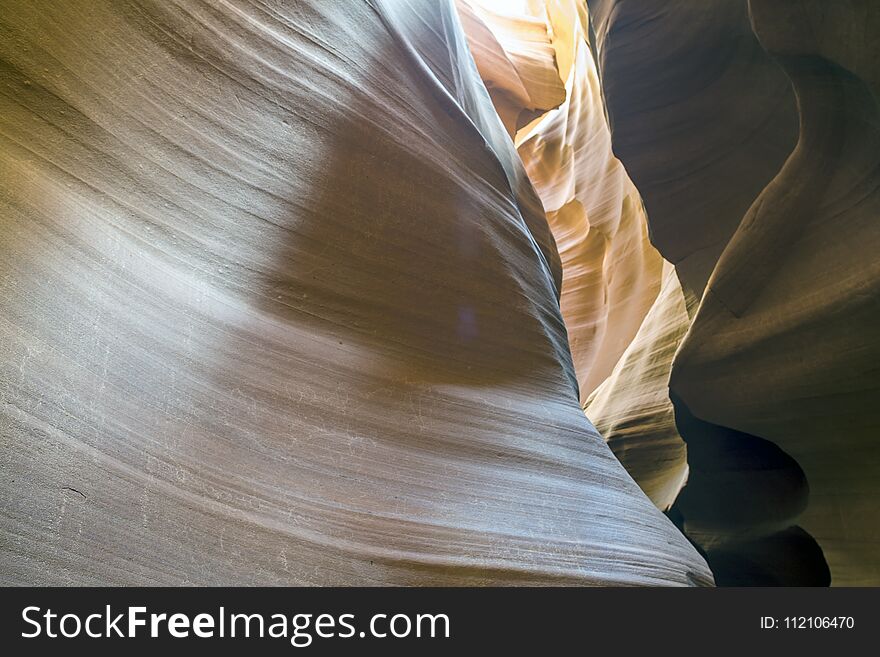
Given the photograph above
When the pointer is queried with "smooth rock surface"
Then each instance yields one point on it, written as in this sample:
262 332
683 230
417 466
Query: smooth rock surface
702 118
785 343
279 306
774 234
632 409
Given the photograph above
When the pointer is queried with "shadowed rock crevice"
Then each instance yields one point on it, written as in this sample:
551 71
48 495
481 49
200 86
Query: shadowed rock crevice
739 506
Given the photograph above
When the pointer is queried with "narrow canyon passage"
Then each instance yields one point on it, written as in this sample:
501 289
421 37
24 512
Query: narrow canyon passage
439 292
281 306
702 104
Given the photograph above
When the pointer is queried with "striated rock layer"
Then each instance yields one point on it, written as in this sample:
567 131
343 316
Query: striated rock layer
763 402
516 60
279 305
632 409
620 338
611 273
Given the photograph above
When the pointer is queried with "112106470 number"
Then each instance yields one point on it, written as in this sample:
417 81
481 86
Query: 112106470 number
818 622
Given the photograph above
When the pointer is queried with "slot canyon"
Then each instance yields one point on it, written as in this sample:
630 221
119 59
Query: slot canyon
440 292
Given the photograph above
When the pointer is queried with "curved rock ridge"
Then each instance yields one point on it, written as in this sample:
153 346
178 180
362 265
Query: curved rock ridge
611 272
740 505
516 60
772 229
632 409
279 306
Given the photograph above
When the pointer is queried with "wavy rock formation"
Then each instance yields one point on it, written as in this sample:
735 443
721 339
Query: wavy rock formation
611 273
774 382
701 116
279 305
784 345
772 232
632 409
516 60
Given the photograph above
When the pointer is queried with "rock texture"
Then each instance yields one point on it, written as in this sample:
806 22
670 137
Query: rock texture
314 293
702 118
632 409
751 133
784 345
516 60
776 380
279 306
611 272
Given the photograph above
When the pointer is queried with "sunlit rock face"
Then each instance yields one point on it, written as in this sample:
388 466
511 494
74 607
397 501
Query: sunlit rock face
611 273
621 343
516 60
632 409
279 306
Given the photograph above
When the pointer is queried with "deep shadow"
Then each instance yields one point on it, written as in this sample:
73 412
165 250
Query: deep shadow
739 507
790 557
